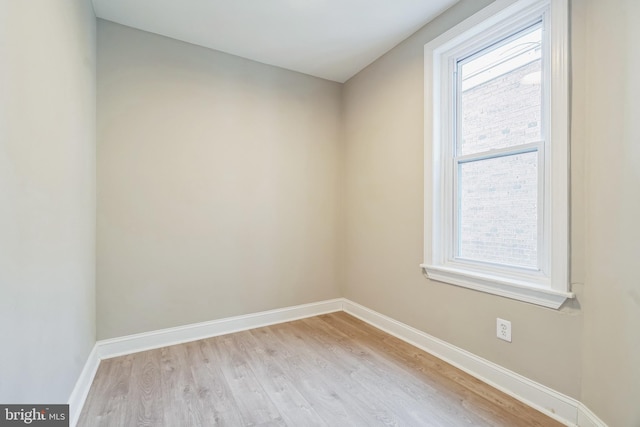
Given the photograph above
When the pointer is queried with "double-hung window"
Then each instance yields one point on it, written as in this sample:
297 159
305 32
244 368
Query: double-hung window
496 149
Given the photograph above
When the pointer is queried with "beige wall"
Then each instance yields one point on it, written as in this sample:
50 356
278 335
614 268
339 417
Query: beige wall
47 197
189 220
383 112
590 348
217 184
611 369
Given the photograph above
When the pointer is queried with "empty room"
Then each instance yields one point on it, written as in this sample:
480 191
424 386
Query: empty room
319 212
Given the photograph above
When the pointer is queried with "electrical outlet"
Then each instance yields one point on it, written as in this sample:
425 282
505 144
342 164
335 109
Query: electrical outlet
503 330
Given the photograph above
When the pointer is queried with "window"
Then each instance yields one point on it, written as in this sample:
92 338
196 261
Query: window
496 152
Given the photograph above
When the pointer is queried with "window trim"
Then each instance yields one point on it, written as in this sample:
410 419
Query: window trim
553 288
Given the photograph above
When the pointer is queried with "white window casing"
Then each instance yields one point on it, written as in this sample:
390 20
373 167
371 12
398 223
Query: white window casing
548 285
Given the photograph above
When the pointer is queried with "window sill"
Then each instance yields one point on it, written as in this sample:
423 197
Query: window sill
496 285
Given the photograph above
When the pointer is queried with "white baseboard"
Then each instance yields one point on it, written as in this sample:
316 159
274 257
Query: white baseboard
586 418
552 403
196 331
556 405
81 389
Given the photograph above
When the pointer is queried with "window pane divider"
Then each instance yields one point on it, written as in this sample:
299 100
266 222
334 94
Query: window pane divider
501 152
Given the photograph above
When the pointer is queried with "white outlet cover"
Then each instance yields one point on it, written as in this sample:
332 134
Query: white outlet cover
503 329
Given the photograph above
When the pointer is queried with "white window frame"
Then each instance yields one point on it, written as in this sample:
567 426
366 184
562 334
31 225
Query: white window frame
549 286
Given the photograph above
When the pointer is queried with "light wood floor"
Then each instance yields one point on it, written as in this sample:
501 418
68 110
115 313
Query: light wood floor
329 370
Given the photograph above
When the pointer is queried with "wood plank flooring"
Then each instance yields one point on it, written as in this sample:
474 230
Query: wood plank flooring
329 370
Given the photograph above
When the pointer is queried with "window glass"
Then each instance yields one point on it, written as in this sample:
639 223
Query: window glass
501 94
497 210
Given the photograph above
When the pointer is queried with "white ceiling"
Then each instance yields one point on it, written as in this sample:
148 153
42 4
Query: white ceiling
332 39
